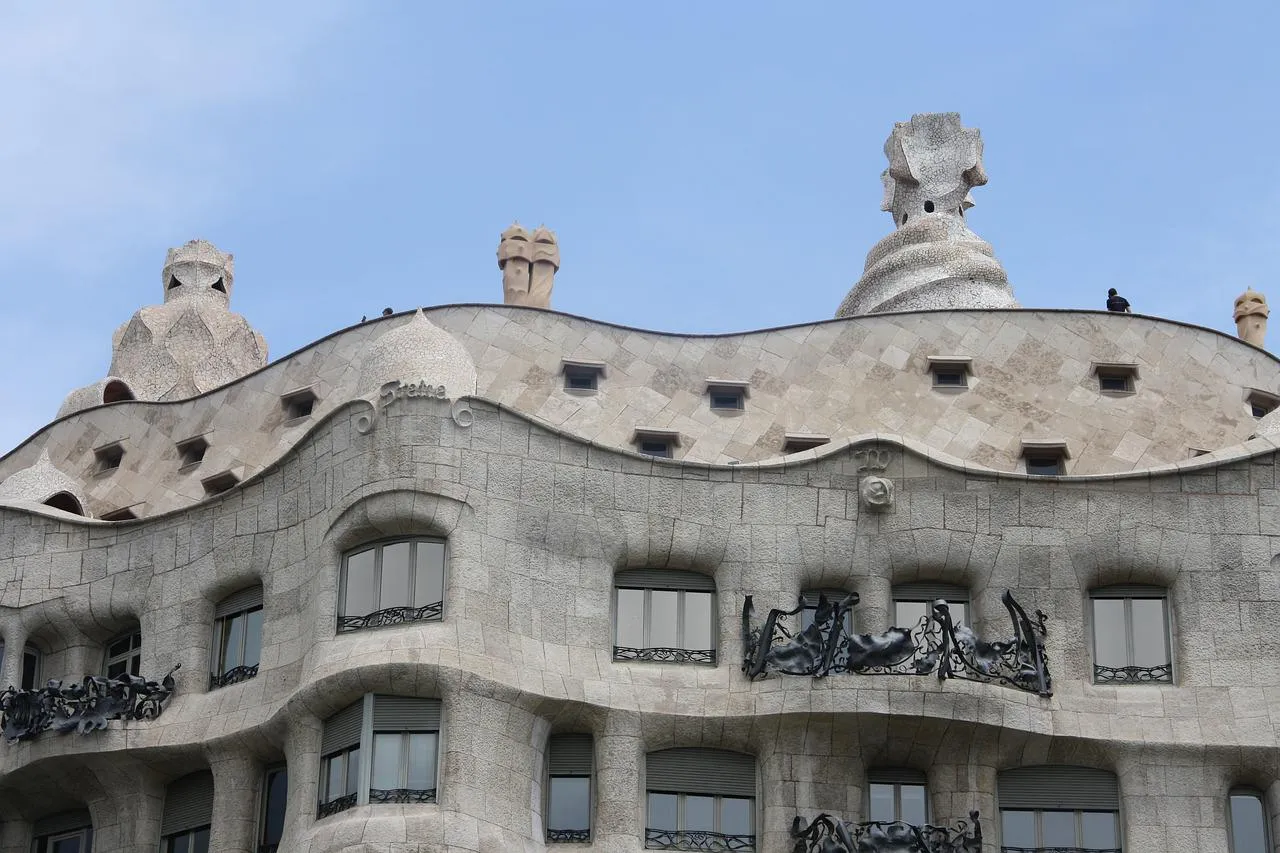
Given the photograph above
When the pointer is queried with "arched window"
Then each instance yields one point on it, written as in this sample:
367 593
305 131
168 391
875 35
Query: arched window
1131 643
700 796
665 615
66 832
1052 807
392 582
1248 817
188 814
570 762
66 502
116 391
237 638
895 794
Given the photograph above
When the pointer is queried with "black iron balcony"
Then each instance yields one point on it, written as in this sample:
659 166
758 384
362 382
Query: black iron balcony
663 655
1060 850
696 839
828 834
402 795
232 676
1160 674
332 807
82 707
391 616
569 836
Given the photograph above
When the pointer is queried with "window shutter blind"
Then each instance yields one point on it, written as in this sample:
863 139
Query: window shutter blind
188 803
664 579
810 596
570 755
1130 590
342 730
62 822
1058 787
701 771
245 599
405 713
930 592
896 776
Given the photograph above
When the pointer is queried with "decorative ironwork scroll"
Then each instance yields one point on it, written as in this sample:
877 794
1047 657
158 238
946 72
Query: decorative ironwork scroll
696 839
402 795
340 804
83 707
569 836
232 676
390 616
1162 674
828 834
664 655
1060 850
933 645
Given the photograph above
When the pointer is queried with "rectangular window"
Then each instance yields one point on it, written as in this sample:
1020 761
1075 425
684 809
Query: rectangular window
913 601
64 838
339 780
404 767
795 442
897 801
1248 822
237 638
569 769
124 655
1121 383
30 668
656 442
656 447
109 457
582 377
298 404
727 395
666 624
1044 465
191 841
391 583
188 813
1131 636
393 741
275 795
1047 829
950 371
676 821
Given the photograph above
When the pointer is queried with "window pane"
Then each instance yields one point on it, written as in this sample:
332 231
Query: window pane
698 621
662 811
429 583
386 761
1098 829
253 638
1149 632
361 594
1109 643
422 761
631 618
117 668
180 844
1058 829
232 642
67 845
1018 829
120 647
908 613
333 773
30 669
699 812
1248 825
273 813
353 771
735 816
570 806
914 805
200 841
395 576
959 612
882 806
663 621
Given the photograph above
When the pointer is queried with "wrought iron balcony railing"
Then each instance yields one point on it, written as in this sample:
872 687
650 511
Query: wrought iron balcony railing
663 655
332 807
84 707
402 795
391 616
696 839
1161 674
934 645
232 676
569 836
1060 850
829 834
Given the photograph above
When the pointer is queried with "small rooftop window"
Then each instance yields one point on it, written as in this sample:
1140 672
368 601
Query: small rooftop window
582 376
656 442
192 451
950 371
109 456
298 404
795 442
1261 403
219 483
1045 458
1116 378
66 502
727 394
116 391
122 514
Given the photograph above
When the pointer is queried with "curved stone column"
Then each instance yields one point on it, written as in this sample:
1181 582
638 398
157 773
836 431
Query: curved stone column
237 778
619 816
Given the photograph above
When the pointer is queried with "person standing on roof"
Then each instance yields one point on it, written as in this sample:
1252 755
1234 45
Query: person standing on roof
1116 302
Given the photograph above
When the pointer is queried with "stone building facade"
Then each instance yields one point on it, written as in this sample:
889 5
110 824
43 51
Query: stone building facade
494 578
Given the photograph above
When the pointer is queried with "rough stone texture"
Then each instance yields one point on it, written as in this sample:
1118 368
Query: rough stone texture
537 523
1251 314
190 344
932 260
529 263
39 483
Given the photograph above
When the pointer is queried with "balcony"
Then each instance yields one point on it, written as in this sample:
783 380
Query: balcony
829 834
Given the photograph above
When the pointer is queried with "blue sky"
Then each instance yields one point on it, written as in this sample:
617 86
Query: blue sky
707 166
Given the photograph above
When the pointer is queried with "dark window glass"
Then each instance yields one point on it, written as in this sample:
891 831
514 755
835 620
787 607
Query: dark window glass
276 790
1248 823
30 668
727 400
581 379
1260 410
124 655
193 841
656 448
1044 466
339 774
237 642
1115 382
950 376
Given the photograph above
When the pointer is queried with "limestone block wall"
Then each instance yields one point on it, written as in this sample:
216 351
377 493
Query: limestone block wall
1032 379
537 523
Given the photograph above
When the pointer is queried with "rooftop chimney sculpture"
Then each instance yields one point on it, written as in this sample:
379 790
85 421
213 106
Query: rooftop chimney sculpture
1251 314
529 263
932 260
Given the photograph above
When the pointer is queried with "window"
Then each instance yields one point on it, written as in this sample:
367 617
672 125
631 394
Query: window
913 601
700 799
897 795
1056 807
656 442
390 583
1248 822
1131 635
123 514
188 813
1116 378
727 395
116 391
124 655
397 749
219 483
569 766
275 795
809 600
30 667
64 501
582 376
1261 403
108 457
950 371
1045 458
298 404
665 615
191 451
67 832
237 638
795 442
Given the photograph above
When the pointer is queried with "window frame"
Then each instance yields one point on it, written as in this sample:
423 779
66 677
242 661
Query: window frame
569 836
663 442
32 663
1128 594
956 366
581 377
131 657
679 653
1117 830
403 793
1244 791
264 846
44 843
327 797
919 593
898 779
432 611
809 606
168 840
220 675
